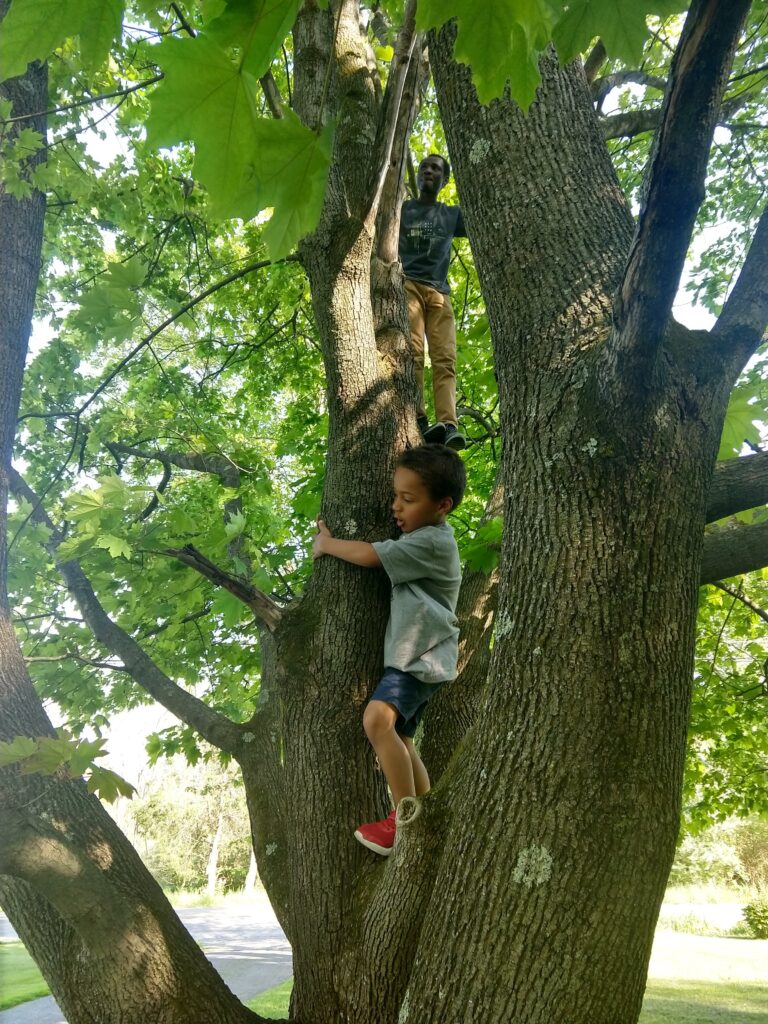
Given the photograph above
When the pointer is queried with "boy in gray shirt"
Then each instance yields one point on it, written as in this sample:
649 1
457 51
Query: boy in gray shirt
421 643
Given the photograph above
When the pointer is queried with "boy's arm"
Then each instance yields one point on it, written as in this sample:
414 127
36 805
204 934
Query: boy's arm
359 552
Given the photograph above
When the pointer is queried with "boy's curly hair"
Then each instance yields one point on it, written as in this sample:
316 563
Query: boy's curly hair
440 468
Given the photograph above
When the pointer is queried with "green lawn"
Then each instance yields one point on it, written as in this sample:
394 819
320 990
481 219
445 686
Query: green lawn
20 979
696 979
693 979
273 1002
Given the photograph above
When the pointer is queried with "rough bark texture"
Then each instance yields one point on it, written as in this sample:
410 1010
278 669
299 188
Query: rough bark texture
566 813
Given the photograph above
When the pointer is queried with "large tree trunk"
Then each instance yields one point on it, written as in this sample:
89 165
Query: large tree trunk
106 939
566 815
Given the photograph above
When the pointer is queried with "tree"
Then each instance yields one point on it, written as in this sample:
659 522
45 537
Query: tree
543 852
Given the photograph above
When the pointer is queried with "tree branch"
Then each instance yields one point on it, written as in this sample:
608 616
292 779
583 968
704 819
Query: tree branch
733 550
739 594
677 171
272 94
33 851
263 607
602 86
212 726
211 462
738 484
741 324
390 115
595 60
634 122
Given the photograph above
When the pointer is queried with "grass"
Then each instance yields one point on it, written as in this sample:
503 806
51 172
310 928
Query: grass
273 1002
693 979
20 979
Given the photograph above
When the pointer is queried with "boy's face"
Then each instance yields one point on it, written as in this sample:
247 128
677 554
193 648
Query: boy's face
413 506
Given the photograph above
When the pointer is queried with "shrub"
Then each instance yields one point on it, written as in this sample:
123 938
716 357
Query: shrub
756 915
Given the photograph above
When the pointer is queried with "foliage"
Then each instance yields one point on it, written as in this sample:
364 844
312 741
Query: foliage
174 819
707 857
64 756
756 915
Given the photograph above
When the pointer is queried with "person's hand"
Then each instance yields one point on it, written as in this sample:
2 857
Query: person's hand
318 544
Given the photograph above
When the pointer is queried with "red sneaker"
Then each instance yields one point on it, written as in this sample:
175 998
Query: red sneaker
378 836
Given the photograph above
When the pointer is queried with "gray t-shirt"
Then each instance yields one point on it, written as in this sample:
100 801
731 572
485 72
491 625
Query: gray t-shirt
422 632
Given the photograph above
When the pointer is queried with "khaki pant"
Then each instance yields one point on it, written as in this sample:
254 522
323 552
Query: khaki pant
431 314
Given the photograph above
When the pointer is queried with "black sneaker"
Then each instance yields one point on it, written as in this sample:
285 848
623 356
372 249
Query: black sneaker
434 434
454 438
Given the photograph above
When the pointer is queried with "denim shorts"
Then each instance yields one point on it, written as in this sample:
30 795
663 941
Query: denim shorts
408 694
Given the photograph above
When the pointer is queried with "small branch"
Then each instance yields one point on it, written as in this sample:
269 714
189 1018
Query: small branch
263 607
182 20
212 462
733 550
272 94
595 60
71 656
602 86
212 726
739 594
741 324
737 485
185 308
390 114
86 102
697 81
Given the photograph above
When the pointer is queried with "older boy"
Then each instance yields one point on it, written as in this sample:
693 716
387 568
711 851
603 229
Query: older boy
421 643
427 229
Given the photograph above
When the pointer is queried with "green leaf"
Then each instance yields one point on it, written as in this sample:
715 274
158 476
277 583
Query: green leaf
257 28
115 545
229 607
204 97
108 785
235 525
740 423
99 29
19 748
83 754
291 167
51 754
33 29
130 274
619 23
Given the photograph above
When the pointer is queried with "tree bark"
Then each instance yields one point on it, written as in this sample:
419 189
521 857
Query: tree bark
566 808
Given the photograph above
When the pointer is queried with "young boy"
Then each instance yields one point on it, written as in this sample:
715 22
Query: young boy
421 643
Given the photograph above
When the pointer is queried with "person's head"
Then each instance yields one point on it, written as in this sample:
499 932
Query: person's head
434 172
429 483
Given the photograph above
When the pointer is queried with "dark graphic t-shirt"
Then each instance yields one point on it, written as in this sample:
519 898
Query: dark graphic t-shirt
426 231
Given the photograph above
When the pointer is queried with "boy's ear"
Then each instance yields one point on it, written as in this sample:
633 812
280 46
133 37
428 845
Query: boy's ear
445 505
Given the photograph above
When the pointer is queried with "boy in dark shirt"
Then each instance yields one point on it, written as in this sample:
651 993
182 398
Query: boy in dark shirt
427 229
421 643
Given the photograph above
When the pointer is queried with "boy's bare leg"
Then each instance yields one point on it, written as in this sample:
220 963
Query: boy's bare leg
420 776
395 760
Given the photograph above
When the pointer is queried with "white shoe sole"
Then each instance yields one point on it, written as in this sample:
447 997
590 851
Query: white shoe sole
383 850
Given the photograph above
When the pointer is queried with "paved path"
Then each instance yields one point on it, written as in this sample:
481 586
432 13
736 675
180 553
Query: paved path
244 943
